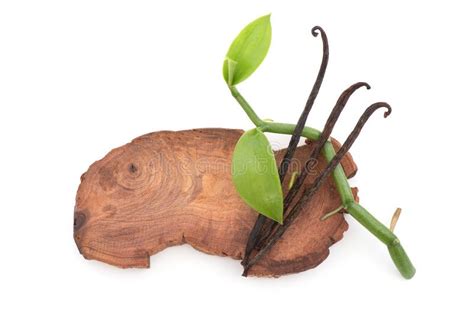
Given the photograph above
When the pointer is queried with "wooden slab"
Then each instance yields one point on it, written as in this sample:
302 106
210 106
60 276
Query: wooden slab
168 188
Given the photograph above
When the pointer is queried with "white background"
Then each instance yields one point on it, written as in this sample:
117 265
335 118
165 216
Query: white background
78 78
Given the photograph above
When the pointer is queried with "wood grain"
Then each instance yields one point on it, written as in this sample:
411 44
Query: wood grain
168 188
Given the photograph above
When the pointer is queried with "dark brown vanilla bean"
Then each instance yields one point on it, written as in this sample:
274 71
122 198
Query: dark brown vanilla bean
309 104
256 233
310 163
318 182
254 237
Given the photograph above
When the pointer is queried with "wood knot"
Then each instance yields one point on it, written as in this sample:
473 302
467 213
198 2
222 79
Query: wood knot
132 168
79 220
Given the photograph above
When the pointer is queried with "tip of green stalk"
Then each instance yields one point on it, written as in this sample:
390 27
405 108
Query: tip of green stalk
401 260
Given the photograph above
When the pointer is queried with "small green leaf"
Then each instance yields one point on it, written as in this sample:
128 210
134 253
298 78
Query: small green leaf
247 51
255 175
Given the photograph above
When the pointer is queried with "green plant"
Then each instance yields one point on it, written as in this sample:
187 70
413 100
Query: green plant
255 173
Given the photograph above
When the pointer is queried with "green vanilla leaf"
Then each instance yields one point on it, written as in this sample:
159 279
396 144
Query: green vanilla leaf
255 175
247 51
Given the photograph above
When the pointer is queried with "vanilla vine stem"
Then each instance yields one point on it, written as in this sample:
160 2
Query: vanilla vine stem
397 253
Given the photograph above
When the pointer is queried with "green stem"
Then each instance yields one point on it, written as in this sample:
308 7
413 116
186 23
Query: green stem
332 213
246 106
397 253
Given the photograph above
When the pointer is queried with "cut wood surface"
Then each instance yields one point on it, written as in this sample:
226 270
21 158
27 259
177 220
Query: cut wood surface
169 188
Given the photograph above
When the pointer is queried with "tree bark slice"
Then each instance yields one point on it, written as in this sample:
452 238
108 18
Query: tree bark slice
168 188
